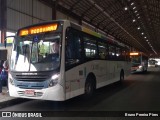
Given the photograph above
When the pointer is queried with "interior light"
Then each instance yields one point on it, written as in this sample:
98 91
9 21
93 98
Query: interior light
135 11
132 3
138 17
145 37
146 40
142 33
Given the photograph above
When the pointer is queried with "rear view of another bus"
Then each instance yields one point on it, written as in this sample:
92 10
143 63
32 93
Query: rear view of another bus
139 62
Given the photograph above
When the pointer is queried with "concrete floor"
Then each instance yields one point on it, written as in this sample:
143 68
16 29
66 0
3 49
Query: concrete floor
138 93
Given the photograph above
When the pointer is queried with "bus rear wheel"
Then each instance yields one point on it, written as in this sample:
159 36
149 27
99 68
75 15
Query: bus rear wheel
89 88
121 76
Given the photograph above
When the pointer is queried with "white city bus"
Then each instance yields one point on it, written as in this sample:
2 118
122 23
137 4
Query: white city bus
59 60
139 62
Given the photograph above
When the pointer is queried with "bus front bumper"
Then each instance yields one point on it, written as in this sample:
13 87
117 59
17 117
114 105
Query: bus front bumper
55 93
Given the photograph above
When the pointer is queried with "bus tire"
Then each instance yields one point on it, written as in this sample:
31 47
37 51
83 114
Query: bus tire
90 87
145 71
121 75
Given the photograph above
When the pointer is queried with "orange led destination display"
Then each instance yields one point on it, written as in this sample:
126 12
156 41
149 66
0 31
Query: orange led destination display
134 53
38 29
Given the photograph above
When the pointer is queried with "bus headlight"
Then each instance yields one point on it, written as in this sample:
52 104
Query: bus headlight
54 80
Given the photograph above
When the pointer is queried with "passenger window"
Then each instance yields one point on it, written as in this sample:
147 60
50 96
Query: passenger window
118 52
102 50
90 47
111 52
123 54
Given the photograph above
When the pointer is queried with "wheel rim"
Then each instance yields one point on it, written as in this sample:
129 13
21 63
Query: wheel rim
88 88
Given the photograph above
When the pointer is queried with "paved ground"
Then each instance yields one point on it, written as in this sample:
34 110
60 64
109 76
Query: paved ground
139 92
5 98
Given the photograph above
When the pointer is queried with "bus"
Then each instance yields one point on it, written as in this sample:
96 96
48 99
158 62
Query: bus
139 62
58 60
152 63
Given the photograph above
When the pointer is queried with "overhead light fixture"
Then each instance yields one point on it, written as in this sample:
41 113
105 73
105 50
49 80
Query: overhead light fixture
137 14
134 8
136 11
139 17
125 8
142 33
138 28
147 40
145 37
133 20
132 3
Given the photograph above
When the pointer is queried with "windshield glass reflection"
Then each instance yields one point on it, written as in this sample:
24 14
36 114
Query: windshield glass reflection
36 53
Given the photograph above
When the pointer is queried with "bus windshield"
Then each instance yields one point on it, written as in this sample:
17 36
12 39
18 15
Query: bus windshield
36 52
136 60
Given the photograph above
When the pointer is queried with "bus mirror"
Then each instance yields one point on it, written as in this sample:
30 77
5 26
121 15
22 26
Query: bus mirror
8 39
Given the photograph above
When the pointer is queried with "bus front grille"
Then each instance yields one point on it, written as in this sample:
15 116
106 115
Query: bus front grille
32 87
31 78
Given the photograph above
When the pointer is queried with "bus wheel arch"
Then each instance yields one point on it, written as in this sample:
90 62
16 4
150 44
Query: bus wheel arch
90 85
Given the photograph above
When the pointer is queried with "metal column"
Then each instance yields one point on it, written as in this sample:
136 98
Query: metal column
54 10
3 19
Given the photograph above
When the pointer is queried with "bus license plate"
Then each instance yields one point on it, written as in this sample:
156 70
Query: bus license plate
29 92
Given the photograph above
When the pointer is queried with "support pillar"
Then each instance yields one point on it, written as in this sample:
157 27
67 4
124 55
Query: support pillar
54 10
3 20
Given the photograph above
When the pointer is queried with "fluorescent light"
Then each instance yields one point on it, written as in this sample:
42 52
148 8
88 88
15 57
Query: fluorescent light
134 8
135 11
132 3
125 8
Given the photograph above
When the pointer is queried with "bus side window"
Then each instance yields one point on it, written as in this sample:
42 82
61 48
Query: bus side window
111 52
73 47
128 57
90 47
123 54
118 53
102 50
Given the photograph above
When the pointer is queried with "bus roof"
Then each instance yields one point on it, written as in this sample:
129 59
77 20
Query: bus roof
108 38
